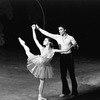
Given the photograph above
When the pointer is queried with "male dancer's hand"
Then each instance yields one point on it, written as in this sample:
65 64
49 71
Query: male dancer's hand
76 47
37 27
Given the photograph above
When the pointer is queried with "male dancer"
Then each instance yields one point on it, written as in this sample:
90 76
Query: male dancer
65 41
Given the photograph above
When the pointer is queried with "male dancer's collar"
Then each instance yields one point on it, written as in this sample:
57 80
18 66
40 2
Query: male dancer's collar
65 35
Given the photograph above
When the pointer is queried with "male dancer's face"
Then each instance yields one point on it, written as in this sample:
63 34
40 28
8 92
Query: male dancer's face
62 31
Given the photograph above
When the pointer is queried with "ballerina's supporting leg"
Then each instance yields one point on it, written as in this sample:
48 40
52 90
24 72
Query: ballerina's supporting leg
41 88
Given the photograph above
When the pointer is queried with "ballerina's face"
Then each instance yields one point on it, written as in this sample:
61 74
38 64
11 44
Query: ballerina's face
46 41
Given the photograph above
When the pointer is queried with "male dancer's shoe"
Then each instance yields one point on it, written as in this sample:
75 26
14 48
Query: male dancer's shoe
73 95
63 95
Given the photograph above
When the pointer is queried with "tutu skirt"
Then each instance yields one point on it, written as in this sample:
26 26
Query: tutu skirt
40 67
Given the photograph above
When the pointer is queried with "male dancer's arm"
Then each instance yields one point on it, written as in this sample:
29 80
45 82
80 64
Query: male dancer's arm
44 32
74 43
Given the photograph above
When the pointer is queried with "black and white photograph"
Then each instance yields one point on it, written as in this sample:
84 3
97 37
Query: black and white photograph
49 50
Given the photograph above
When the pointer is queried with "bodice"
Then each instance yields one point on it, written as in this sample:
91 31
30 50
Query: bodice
43 59
47 53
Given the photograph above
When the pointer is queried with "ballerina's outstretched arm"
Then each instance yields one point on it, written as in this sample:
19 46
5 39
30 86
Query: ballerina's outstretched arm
35 38
26 48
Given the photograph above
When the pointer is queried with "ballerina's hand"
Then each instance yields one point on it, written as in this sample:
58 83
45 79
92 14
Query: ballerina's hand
34 26
21 41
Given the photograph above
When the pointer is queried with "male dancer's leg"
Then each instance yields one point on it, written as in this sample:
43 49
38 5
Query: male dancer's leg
71 68
63 71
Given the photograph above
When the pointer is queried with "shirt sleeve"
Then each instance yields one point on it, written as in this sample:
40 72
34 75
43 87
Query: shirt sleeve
73 41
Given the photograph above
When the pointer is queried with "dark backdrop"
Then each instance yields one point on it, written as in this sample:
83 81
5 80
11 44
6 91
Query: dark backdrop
80 16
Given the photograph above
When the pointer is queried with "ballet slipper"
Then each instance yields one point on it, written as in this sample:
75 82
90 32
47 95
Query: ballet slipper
41 98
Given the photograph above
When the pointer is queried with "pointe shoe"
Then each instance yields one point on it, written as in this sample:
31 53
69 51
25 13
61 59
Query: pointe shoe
21 41
41 98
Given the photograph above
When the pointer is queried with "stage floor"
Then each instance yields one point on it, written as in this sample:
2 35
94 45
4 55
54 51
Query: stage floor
17 83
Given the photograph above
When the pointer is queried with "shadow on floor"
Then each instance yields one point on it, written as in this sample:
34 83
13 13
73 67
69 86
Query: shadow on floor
93 94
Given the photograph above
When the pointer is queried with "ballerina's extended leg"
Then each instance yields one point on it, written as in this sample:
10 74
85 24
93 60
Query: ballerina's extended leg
26 48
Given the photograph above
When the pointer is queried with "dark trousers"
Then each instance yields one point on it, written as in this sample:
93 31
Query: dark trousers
67 64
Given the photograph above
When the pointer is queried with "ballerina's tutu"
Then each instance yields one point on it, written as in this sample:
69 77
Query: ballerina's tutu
40 66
